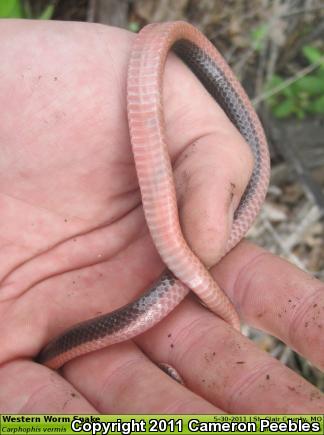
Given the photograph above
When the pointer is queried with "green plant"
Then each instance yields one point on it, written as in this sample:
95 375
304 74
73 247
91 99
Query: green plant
258 36
22 9
302 96
133 26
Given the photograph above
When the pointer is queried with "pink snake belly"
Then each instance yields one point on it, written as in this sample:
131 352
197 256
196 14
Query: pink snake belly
146 124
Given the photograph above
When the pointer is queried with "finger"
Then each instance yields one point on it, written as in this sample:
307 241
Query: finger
122 379
275 296
29 388
212 162
226 368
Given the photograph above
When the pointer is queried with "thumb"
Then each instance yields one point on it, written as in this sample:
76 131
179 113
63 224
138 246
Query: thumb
211 174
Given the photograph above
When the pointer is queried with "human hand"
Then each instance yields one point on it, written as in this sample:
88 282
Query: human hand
74 241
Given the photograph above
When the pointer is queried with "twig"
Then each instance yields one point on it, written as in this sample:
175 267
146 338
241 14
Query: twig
91 12
280 242
302 11
302 73
314 214
286 355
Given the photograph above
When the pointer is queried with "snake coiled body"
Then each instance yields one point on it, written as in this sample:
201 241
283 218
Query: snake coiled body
154 170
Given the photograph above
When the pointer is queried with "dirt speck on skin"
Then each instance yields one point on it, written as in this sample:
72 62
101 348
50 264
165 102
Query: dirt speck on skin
73 395
315 395
267 377
169 335
209 356
232 191
240 362
172 345
292 388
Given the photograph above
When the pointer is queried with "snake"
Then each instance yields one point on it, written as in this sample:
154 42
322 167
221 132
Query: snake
184 271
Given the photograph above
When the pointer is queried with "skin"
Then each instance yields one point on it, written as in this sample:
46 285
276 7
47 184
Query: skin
74 241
